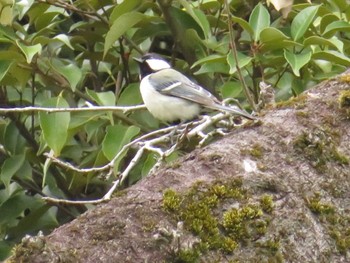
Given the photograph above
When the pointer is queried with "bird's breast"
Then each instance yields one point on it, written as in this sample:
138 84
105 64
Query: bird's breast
167 108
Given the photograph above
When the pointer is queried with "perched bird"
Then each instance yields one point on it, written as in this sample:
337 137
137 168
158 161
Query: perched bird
170 96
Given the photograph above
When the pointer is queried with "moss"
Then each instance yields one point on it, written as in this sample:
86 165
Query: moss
296 102
316 206
256 151
336 224
302 114
171 200
236 221
266 203
272 245
186 256
344 99
319 147
199 209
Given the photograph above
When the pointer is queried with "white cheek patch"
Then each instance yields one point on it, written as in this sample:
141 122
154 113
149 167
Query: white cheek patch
157 64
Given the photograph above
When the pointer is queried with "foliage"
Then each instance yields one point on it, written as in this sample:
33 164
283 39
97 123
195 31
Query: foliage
76 53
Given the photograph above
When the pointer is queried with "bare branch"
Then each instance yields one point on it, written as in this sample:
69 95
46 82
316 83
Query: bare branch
30 109
160 142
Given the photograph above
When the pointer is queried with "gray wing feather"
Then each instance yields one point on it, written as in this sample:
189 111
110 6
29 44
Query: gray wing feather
172 83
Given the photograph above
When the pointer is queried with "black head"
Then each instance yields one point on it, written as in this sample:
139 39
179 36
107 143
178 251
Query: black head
151 63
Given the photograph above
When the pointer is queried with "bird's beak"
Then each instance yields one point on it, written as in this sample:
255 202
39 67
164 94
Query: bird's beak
138 60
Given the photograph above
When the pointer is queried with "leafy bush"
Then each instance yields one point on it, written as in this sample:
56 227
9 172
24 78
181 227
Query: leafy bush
59 54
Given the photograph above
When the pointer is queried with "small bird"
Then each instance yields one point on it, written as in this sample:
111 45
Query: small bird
171 96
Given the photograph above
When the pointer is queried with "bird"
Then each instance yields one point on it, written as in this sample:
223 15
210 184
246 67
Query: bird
171 96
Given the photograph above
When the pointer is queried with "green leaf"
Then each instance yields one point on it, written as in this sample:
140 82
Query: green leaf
297 61
55 125
124 7
4 67
14 143
149 163
120 26
341 4
272 38
116 137
6 12
64 39
231 89
332 56
10 167
319 41
5 250
198 16
243 61
302 21
130 96
209 59
106 98
326 20
335 27
70 72
29 51
258 20
23 7
41 218
13 207
244 24
183 22
215 67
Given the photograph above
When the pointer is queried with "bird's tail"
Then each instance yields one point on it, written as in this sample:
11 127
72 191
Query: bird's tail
234 110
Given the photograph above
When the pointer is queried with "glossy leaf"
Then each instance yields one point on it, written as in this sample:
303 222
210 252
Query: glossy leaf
335 27
198 16
244 24
55 125
120 26
13 207
297 61
102 98
6 13
302 21
333 56
243 61
64 39
316 40
258 20
14 143
326 20
131 95
4 67
116 137
148 164
29 51
209 59
183 22
70 72
272 38
123 8
10 168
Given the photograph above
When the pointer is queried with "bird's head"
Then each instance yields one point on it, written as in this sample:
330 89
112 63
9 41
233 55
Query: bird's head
151 63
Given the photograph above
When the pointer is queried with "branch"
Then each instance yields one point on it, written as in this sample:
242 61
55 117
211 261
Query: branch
160 142
123 109
234 50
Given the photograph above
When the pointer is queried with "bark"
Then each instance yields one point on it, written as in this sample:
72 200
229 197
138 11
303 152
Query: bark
275 191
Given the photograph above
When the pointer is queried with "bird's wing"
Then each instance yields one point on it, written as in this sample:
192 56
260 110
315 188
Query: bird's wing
172 83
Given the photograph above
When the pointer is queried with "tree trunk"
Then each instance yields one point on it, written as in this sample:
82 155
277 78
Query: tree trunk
275 191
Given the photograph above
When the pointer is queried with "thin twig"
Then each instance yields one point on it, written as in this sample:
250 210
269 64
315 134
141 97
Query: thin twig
123 109
234 50
154 142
